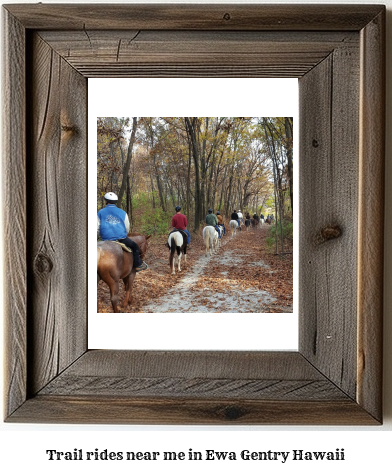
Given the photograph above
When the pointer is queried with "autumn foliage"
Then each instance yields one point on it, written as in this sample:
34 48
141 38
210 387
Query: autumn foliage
156 163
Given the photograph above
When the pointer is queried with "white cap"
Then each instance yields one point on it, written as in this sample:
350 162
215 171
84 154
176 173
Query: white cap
111 196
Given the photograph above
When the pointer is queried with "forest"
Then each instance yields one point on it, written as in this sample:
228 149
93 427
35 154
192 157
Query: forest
223 163
154 164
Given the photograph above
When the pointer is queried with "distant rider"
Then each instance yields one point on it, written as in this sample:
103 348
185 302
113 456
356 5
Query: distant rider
113 224
211 219
180 222
234 217
240 216
221 221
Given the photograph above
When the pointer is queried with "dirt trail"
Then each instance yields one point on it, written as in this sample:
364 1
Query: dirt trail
199 292
193 295
242 276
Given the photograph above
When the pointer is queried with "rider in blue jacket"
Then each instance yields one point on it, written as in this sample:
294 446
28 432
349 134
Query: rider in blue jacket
113 224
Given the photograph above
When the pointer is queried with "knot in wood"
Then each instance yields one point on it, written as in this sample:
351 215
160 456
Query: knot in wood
69 128
315 143
227 16
328 233
232 413
43 264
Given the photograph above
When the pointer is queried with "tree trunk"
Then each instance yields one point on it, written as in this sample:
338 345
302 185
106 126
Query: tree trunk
128 162
190 124
162 196
188 181
288 124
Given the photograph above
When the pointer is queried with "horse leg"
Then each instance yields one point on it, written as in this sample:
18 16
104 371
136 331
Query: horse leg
179 258
171 262
128 288
114 289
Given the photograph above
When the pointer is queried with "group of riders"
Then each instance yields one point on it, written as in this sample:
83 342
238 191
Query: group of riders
113 224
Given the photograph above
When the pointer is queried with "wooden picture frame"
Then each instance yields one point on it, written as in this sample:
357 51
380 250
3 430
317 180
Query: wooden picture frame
338 54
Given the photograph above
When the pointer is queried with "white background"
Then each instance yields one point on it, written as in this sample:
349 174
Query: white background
22 447
171 98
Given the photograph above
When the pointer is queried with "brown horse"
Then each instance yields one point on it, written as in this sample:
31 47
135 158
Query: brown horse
115 264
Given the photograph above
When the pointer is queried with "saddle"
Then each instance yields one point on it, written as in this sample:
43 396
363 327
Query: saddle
124 247
184 236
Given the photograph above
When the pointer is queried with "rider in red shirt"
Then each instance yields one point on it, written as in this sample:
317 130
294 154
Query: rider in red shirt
179 222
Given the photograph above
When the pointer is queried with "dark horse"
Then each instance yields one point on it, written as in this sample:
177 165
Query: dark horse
115 264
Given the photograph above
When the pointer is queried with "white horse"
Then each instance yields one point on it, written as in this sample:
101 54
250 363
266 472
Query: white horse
233 227
221 228
210 237
176 242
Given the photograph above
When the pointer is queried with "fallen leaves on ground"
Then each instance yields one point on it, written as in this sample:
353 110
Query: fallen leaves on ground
258 269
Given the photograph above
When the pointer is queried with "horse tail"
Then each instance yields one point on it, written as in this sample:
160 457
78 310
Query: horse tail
173 245
207 239
98 258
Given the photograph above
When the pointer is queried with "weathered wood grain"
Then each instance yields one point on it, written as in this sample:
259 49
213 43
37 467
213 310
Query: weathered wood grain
14 225
206 374
128 53
101 409
335 378
194 17
187 387
193 387
217 70
329 135
371 204
210 364
57 227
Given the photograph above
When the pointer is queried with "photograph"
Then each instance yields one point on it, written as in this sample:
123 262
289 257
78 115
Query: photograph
195 214
232 162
